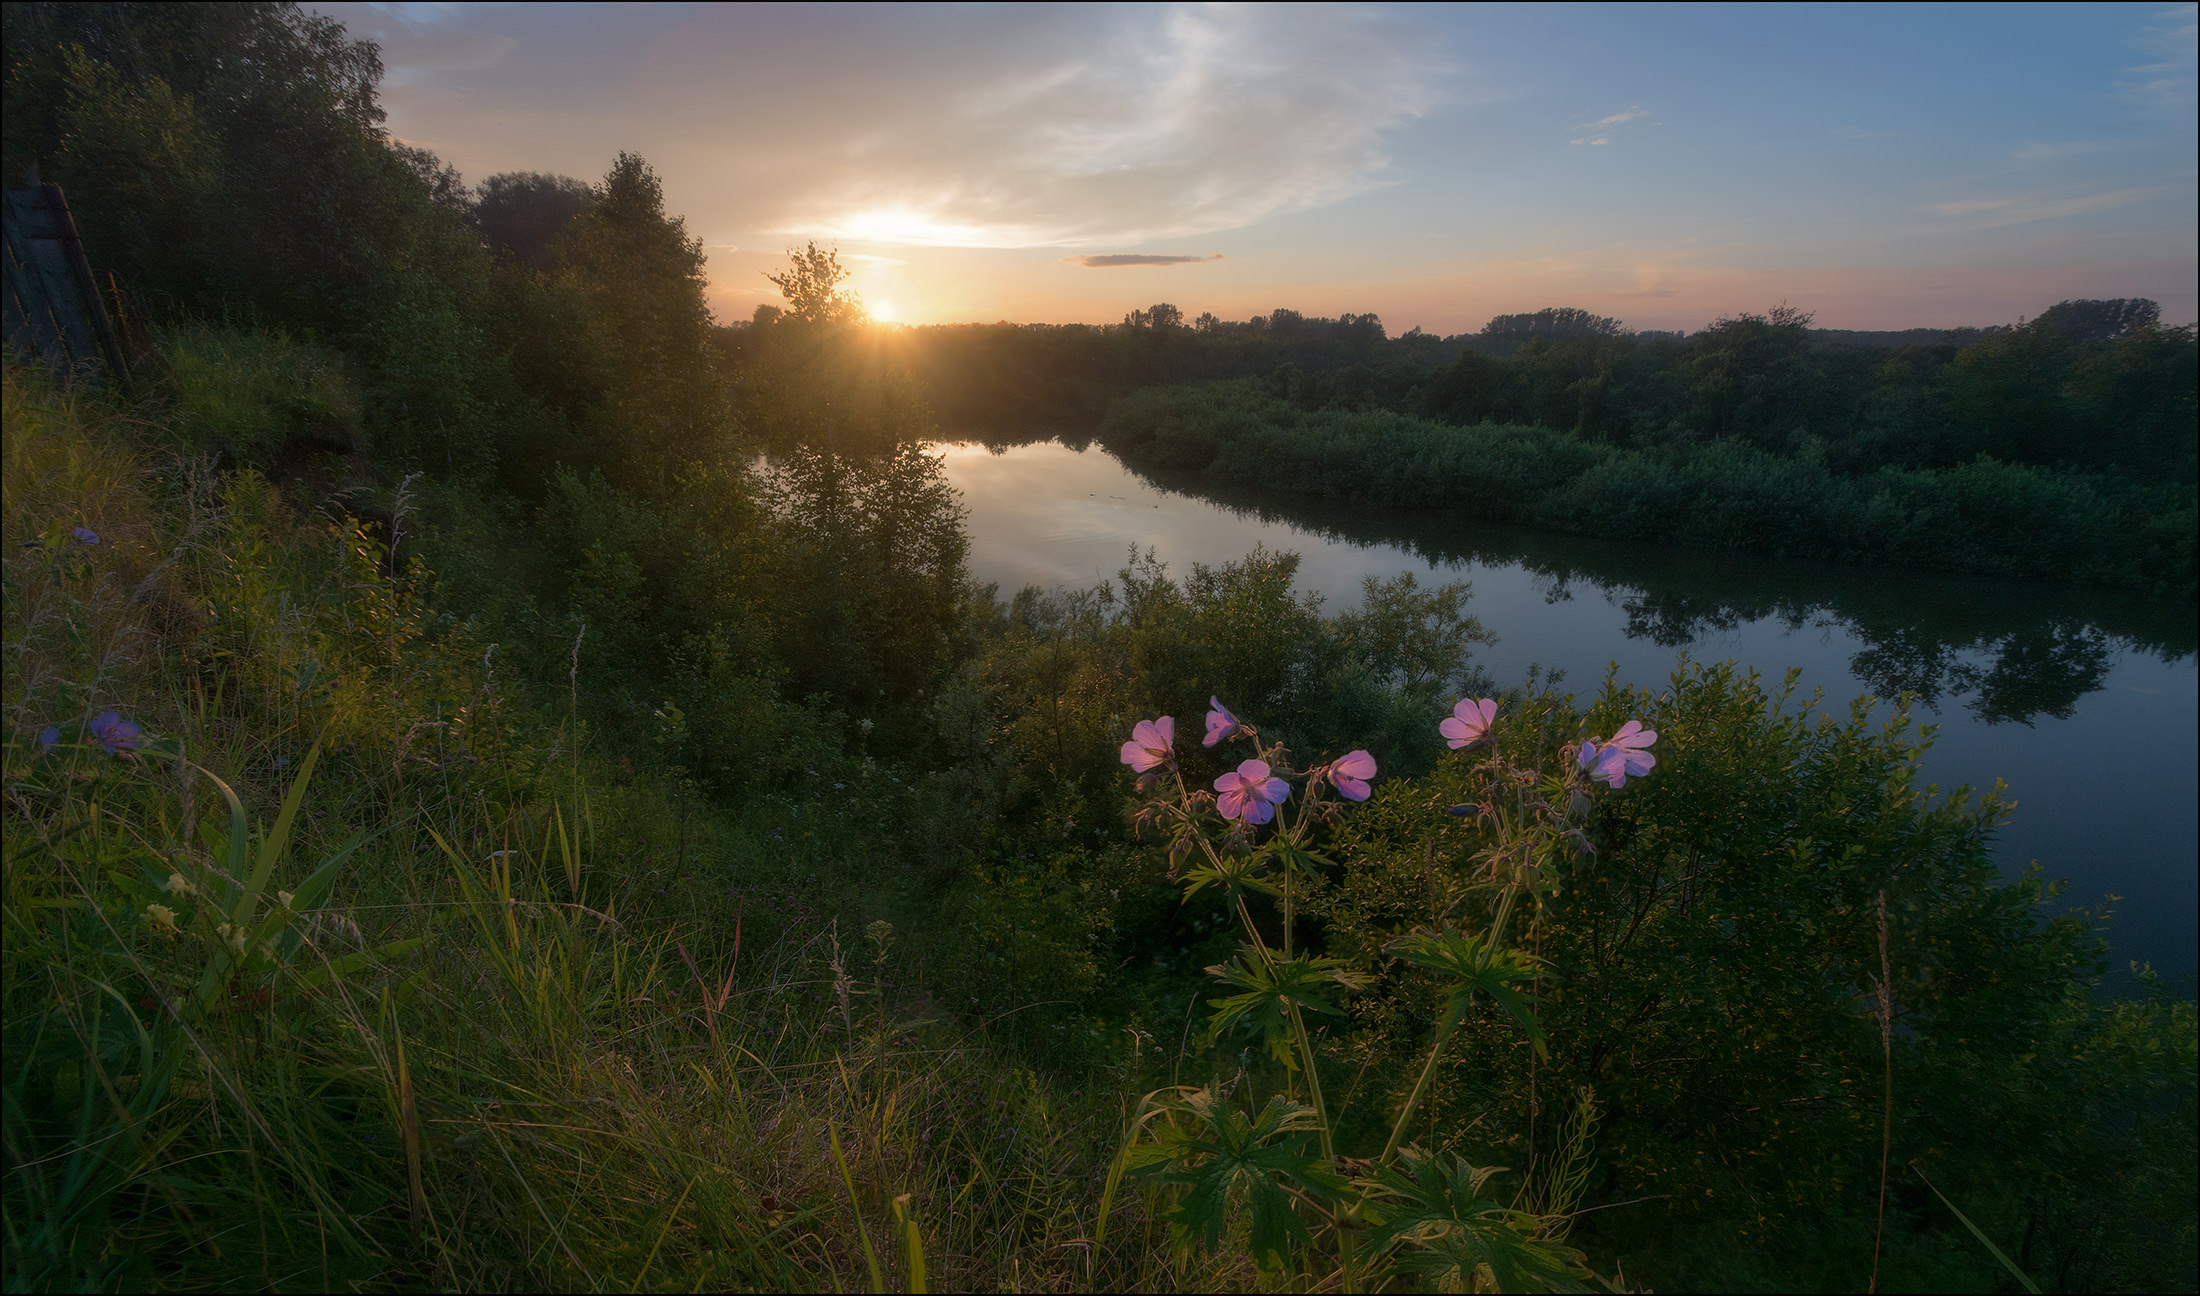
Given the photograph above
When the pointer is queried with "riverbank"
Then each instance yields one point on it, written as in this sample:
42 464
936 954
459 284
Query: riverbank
2079 698
1983 517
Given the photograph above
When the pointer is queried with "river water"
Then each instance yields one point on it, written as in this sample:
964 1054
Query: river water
2084 702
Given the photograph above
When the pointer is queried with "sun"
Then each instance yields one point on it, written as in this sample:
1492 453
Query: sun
882 310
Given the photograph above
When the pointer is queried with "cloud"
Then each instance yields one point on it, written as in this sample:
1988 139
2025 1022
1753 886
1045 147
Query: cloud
1133 125
1993 213
1114 259
2042 151
2168 83
1600 131
421 42
954 126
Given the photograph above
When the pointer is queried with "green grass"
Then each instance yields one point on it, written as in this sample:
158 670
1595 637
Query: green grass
515 1035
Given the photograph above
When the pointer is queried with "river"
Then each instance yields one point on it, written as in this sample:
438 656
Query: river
2083 701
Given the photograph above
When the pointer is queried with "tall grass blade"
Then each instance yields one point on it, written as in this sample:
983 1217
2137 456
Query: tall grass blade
1984 1240
870 1256
912 1243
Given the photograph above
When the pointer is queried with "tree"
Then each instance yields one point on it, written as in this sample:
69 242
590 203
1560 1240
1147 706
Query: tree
642 277
2086 320
522 214
1554 322
811 286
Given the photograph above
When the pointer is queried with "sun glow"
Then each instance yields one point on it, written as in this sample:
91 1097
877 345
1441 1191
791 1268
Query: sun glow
881 310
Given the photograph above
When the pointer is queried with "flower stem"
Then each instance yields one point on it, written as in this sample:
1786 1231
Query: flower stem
1420 1086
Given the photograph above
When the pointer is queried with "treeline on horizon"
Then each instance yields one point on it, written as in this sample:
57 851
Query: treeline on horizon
653 861
2061 449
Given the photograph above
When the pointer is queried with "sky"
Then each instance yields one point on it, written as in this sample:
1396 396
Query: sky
1882 166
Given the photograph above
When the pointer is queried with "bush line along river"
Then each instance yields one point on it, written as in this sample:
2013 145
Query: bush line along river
2083 701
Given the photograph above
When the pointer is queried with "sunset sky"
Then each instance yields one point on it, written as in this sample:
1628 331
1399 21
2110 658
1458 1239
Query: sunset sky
1883 166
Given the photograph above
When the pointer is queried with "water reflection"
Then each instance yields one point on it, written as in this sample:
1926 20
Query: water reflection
2082 700
2009 652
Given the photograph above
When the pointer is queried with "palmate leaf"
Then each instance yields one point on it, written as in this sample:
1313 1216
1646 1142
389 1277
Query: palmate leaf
1235 874
1270 990
1218 1153
1434 1220
1472 964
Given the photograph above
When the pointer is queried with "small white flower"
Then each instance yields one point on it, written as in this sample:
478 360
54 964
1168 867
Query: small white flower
162 917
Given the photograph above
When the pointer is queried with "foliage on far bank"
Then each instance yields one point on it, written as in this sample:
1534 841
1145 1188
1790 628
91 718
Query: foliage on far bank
1983 516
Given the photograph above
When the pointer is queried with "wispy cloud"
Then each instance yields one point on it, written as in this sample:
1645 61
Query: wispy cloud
1993 213
2168 82
1114 259
1600 131
423 41
2051 151
1152 124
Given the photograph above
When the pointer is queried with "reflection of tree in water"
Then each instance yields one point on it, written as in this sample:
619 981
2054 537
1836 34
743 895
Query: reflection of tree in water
1909 659
2043 647
2043 670
1676 619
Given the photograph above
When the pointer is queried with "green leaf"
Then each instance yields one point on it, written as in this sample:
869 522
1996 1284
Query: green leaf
1218 1154
1271 990
1435 1220
1235 874
1472 964
277 842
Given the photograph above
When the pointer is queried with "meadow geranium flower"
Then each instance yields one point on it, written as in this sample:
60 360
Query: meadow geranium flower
1350 773
1469 721
115 733
1221 725
85 535
1250 793
1620 757
49 738
1151 744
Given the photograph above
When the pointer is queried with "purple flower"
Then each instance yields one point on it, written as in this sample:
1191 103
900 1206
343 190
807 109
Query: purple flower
49 738
1621 757
115 733
1221 725
1350 773
1469 721
1250 793
1150 744
85 535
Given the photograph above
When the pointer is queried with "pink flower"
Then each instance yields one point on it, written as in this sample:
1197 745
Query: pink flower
1151 743
1221 725
1469 721
1250 793
1620 757
1350 773
115 733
